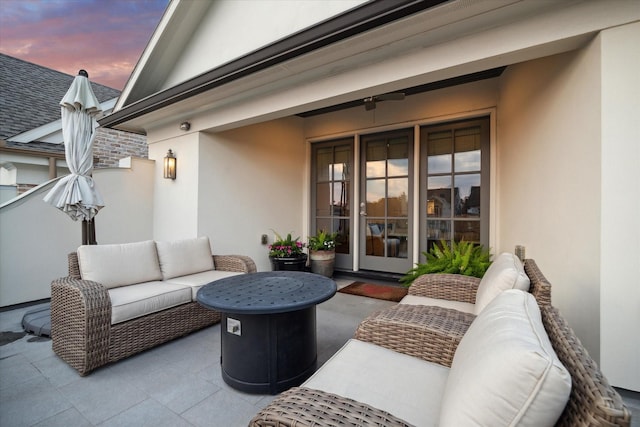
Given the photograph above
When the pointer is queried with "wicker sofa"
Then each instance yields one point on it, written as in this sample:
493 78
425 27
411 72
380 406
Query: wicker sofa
518 364
119 300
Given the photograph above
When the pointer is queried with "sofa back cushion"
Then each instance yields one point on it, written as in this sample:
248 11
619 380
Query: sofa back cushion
505 272
505 371
119 265
183 257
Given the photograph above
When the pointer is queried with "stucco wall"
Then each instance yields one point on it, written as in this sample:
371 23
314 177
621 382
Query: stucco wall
548 177
128 195
255 182
176 201
37 237
232 186
620 251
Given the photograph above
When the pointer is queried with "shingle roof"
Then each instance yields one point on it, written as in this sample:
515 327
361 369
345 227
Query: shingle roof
30 95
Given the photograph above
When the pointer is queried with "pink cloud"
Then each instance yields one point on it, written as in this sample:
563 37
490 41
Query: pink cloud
104 37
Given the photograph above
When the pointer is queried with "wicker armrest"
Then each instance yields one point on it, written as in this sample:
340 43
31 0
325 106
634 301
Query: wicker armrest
80 322
430 333
540 287
592 400
453 287
304 407
239 263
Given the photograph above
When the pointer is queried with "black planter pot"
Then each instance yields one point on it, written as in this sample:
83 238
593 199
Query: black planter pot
289 264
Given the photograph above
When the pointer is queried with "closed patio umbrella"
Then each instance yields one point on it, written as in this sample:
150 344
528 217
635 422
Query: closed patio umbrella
76 193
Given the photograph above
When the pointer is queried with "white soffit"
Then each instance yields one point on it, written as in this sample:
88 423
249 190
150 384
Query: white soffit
447 41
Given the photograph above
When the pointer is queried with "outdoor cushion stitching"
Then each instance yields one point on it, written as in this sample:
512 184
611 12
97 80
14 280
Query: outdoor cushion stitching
535 391
147 299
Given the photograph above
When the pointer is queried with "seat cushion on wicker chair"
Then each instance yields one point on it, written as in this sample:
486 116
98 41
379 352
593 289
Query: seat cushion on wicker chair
505 272
465 307
406 387
130 302
184 257
120 264
505 371
198 280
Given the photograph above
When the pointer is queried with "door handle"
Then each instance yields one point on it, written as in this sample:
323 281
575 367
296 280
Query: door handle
362 211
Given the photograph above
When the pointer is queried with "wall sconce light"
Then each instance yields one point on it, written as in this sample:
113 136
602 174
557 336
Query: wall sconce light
185 126
170 165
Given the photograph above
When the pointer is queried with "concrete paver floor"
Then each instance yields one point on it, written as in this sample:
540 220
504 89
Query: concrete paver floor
175 384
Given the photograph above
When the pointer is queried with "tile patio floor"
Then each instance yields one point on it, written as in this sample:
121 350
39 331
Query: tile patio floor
175 384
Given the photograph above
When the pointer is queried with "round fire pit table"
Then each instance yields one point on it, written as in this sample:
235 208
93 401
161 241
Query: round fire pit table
268 337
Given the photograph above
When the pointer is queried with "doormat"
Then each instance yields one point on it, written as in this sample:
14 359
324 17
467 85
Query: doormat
385 292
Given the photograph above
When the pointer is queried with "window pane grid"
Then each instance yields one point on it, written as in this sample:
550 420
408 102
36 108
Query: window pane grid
453 208
332 194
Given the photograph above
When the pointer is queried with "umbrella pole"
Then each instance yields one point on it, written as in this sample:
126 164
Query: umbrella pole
92 231
89 232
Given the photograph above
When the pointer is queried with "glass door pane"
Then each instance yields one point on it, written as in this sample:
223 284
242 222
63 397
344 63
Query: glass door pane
332 163
385 210
455 174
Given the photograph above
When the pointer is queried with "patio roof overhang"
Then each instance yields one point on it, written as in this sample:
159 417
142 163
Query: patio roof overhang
370 16
374 41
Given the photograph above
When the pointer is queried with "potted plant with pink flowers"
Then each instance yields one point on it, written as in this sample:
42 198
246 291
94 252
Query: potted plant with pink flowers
287 253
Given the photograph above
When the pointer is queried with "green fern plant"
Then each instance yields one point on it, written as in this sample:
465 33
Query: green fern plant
462 257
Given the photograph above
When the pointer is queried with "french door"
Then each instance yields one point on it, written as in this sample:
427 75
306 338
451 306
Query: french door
453 178
385 209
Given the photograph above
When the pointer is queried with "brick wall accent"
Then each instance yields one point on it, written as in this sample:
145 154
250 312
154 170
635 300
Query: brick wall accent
112 145
23 188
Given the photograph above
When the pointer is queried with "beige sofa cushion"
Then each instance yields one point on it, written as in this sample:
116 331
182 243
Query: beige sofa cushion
405 386
183 257
505 371
505 272
198 280
119 265
466 307
129 302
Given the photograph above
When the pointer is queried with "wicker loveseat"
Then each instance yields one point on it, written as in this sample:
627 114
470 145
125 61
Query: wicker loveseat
119 300
518 364
432 332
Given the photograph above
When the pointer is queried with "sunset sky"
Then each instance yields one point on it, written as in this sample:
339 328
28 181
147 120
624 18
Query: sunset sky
105 37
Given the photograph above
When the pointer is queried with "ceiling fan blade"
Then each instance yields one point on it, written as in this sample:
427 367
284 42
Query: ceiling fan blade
370 101
391 96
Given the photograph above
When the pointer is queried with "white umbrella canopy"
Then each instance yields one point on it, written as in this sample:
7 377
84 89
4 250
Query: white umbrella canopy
76 193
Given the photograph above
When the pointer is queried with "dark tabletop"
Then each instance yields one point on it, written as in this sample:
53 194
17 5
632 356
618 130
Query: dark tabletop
266 292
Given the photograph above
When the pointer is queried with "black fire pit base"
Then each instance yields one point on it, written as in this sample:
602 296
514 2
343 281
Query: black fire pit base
268 353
